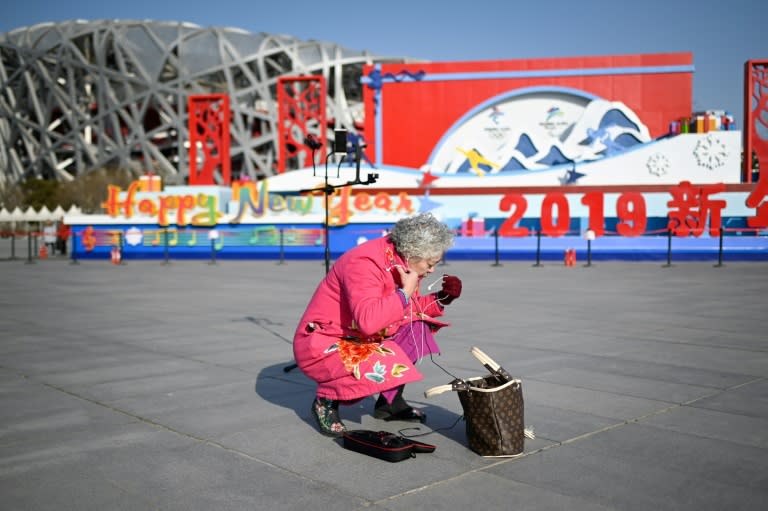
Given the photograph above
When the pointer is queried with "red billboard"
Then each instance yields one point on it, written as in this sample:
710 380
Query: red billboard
410 107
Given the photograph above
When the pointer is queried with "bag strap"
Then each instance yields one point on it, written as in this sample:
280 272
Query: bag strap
434 391
491 364
457 384
484 359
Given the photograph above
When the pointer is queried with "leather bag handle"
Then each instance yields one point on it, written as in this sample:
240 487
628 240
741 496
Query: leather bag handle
434 391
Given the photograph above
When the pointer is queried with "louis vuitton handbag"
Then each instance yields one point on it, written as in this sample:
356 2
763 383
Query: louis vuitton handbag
493 409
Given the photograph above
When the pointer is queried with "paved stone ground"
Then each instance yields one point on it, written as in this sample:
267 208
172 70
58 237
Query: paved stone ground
149 386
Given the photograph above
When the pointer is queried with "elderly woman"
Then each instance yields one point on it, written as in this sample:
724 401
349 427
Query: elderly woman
367 325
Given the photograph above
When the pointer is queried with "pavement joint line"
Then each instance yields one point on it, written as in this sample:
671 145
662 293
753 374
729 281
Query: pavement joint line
556 444
260 322
572 386
139 347
682 343
458 476
624 394
190 436
640 418
205 362
582 354
153 506
252 458
658 341
700 345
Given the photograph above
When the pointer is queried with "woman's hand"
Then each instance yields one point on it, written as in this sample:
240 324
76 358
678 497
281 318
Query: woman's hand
409 281
451 289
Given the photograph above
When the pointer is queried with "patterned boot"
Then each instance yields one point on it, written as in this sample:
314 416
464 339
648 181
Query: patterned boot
326 412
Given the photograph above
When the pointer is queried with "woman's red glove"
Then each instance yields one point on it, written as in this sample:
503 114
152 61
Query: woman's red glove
451 289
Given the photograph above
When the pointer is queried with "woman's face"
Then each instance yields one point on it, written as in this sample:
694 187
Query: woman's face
423 266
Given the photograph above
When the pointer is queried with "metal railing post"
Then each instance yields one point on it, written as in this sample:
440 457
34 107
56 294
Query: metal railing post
213 252
73 249
669 248
166 250
538 248
29 247
496 246
121 247
282 248
720 250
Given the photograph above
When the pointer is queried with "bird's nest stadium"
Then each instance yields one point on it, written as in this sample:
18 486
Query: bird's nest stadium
81 95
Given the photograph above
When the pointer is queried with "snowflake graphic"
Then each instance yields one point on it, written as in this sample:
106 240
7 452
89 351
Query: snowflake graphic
710 152
657 164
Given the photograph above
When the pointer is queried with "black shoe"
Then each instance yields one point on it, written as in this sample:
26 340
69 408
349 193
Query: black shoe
399 410
409 415
326 413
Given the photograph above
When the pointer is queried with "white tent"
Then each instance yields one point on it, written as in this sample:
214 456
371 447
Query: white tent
58 212
5 215
17 215
30 215
45 214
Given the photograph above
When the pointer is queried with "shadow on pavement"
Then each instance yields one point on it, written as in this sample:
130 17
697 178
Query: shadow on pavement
294 391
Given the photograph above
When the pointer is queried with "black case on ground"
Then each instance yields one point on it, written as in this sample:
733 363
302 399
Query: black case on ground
384 445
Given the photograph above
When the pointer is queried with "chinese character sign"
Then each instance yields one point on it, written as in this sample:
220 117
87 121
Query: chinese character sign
691 207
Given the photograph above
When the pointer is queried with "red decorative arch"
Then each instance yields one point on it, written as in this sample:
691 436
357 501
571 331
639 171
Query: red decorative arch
755 116
301 112
209 117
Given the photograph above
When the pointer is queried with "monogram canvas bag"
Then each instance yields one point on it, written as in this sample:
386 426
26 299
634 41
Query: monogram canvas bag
493 409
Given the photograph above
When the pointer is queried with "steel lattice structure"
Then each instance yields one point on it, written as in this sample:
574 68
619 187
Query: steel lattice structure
80 95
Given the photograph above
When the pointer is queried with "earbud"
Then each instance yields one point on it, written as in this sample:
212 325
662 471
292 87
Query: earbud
429 287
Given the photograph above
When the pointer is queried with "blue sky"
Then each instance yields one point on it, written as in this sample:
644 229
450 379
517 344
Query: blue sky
721 34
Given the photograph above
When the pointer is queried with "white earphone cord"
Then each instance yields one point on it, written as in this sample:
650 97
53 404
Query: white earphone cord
420 353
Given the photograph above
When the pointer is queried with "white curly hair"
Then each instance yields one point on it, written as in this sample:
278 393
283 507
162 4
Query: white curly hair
422 236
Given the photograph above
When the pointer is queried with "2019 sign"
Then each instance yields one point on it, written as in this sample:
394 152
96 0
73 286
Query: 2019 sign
630 208
692 208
